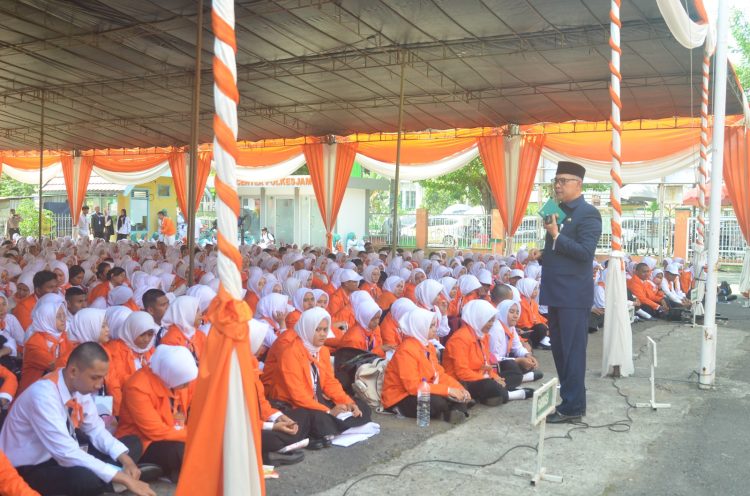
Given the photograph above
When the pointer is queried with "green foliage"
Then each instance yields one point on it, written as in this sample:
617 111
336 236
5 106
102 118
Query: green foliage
741 31
466 185
30 214
11 187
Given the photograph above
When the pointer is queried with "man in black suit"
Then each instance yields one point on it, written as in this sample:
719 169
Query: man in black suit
97 223
567 287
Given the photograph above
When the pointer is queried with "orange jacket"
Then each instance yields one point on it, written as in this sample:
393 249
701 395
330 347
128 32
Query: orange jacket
318 283
410 291
148 409
653 292
101 289
638 287
386 300
121 367
530 315
11 483
373 289
686 281
265 410
357 337
338 301
271 364
389 331
252 300
292 382
167 227
292 318
42 353
10 383
23 310
410 364
465 355
175 337
463 300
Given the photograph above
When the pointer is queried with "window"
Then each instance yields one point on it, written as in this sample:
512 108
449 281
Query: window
162 190
408 200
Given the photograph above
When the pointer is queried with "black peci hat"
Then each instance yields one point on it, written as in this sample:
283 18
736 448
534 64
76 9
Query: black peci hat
573 168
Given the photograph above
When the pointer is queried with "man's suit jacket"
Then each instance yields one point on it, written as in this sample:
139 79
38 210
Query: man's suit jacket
97 223
568 274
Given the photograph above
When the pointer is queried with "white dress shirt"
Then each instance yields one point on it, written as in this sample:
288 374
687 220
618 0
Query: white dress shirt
83 225
499 344
13 329
672 290
37 429
125 227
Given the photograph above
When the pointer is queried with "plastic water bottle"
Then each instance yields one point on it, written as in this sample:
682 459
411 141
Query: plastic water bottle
423 404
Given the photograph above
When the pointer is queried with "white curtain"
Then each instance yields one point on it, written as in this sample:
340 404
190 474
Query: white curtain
633 172
418 172
617 345
688 33
272 172
131 178
745 276
32 176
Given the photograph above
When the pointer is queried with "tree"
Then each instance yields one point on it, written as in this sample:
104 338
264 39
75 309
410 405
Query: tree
741 31
30 214
11 187
466 185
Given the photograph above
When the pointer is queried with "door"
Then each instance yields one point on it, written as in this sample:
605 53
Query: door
284 220
139 210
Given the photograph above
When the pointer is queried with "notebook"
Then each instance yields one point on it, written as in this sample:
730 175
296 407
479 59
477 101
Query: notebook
552 208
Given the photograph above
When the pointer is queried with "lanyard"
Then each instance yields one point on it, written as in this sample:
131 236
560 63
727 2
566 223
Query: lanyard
315 379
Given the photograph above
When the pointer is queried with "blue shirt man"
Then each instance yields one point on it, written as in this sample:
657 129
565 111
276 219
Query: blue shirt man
567 287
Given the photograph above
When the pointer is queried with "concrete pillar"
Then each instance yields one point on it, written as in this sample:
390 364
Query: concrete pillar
497 231
297 227
422 222
367 212
681 234
263 211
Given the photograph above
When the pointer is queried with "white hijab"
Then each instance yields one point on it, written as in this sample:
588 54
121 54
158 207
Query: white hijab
174 365
115 317
182 313
204 294
426 292
119 295
477 313
364 311
401 307
306 325
416 324
527 286
87 325
44 317
136 324
270 304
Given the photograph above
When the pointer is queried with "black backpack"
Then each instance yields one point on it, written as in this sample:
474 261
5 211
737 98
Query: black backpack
346 362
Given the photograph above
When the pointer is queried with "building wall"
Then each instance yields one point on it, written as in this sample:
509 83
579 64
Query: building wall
156 201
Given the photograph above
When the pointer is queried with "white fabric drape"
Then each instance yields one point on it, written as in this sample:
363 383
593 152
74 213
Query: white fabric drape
633 172
617 345
688 33
418 172
32 176
272 172
512 165
699 275
139 177
745 276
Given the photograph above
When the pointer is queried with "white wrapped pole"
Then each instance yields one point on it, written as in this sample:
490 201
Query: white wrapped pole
617 356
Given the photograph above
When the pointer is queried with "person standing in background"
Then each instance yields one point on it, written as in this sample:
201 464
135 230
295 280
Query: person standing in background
167 229
14 223
97 223
109 227
123 225
83 222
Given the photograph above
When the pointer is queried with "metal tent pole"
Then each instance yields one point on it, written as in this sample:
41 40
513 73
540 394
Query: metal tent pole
394 227
41 167
708 347
193 157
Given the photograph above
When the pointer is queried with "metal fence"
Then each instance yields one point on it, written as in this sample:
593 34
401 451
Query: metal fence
731 242
380 228
459 231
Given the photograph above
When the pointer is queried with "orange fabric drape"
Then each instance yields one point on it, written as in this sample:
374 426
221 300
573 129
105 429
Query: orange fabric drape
415 152
492 152
202 467
129 163
31 162
737 174
342 169
180 178
76 191
263 157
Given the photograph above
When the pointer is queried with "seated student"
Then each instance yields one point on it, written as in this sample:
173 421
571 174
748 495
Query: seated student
596 317
429 294
515 363
415 360
75 277
122 296
639 287
450 292
75 300
416 276
44 282
321 298
10 328
468 290
340 307
101 290
304 299
274 309
389 326
533 270
365 334
12 483
152 408
532 324
61 271
370 279
39 435
182 319
8 390
467 354
129 353
304 379
393 288
47 342
670 286
156 303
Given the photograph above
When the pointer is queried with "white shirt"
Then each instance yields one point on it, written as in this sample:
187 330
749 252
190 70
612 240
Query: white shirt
83 225
125 227
672 290
499 344
13 329
533 270
36 430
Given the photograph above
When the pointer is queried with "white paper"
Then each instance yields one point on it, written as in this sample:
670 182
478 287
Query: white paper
356 434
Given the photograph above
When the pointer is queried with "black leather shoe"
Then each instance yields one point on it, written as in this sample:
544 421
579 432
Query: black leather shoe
275 458
150 472
328 441
529 393
316 444
538 374
560 418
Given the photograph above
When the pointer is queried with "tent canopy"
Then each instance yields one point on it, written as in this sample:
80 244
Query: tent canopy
119 74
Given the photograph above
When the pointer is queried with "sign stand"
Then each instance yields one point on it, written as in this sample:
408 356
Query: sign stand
545 399
652 404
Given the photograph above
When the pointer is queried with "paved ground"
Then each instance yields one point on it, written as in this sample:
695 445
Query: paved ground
697 447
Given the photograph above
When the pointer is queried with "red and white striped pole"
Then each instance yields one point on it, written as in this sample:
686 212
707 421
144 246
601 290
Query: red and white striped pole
700 233
614 119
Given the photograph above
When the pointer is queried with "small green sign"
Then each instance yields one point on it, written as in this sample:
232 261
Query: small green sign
545 400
